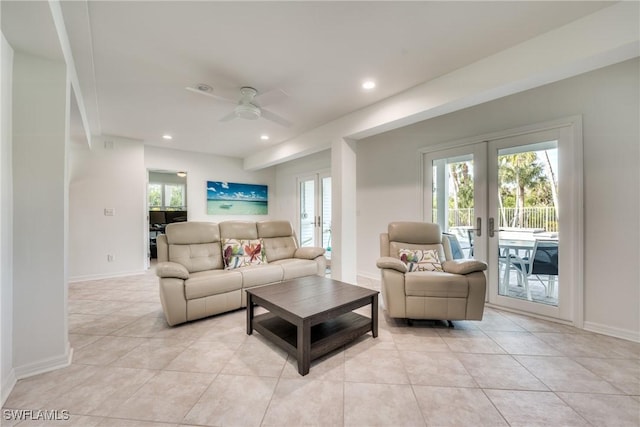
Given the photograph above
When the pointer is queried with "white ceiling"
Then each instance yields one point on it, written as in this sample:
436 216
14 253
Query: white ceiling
134 59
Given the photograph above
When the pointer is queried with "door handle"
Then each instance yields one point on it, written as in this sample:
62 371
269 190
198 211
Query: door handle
492 230
478 229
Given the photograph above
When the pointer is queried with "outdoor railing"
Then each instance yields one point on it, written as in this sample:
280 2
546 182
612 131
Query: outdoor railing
543 217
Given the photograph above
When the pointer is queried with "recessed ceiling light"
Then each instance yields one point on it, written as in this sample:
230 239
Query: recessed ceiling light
203 87
264 137
181 174
167 137
368 84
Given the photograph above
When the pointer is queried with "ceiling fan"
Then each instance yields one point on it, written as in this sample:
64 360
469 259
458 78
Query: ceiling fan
247 107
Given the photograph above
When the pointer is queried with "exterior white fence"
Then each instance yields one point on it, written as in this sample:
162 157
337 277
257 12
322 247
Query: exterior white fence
544 217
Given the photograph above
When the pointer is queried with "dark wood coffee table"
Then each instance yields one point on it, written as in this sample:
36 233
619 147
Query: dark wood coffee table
311 316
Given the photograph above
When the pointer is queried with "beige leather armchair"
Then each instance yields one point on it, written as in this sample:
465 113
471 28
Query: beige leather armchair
455 293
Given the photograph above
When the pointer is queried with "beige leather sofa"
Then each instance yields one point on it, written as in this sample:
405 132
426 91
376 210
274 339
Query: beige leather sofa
194 282
455 293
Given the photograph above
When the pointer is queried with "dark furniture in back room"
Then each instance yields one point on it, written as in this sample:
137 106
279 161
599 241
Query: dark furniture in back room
158 220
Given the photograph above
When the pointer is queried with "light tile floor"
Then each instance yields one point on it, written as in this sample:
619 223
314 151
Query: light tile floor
131 370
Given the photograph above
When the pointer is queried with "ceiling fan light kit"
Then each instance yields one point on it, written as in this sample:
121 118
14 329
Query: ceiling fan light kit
245 108
248 111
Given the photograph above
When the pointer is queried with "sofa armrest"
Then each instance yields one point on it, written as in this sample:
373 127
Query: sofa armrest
172 269
463 266
392 263
309 252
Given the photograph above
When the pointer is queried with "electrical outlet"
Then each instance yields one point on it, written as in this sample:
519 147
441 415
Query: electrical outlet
111 257
109 211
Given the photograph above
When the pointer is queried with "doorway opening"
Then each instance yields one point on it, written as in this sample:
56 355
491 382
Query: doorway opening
314 212
167 203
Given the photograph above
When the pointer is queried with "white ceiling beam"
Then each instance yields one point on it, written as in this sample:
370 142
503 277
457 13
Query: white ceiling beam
65 46
603 38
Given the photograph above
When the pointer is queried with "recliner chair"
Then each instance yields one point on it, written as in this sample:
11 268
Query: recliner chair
457 292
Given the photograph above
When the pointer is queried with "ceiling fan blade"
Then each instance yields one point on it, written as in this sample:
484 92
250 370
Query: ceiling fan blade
228 117
211 95
269 115
272 97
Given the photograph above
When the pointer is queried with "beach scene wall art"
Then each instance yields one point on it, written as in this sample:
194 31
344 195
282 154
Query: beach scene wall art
230 198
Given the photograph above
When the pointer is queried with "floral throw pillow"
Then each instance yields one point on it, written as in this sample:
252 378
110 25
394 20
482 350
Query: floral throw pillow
421 260
238 253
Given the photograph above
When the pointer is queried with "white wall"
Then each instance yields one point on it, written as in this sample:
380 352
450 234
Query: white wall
201 168
7 377
166 178
389 187
107 176
40 109
104 178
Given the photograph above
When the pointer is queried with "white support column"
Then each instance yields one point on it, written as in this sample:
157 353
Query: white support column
41 94
442 186
343 210
7 376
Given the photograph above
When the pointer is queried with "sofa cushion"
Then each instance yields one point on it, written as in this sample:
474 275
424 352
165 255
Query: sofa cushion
238 253
274 229
387 262
280 247
463 266
309 252
172 269
415 232
420 259
436 284
293 268
211 282
197 257
245 230
188 233
264 274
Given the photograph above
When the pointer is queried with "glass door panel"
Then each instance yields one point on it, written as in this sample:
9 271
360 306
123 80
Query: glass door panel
457 200
527 196
307 198
524 209
326 216
314 195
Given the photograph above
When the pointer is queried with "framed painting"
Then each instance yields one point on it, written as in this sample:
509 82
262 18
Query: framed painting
230 198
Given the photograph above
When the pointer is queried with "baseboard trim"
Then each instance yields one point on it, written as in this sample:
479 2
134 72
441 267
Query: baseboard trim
612 331
105 276
46 365
369 276
529 314
8 383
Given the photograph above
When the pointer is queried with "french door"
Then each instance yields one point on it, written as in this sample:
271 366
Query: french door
514 203
314 211
456 194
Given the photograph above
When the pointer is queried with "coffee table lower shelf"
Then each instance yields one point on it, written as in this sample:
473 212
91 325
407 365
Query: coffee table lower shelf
325 337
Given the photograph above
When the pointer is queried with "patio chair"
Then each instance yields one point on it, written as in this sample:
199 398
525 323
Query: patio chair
456 249
542 261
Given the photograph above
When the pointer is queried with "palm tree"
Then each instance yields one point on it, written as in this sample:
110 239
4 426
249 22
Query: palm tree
462 195
521 171
554 183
